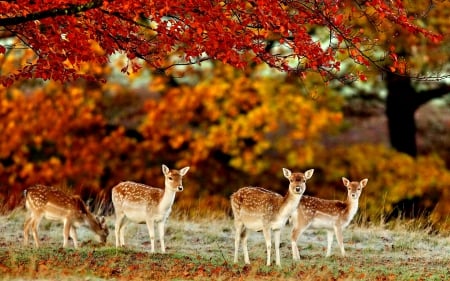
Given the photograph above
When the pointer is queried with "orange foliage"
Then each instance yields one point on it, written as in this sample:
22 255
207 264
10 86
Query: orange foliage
406 52
226 128
54 136
239 33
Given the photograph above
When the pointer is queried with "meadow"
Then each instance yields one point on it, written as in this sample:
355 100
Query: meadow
201 248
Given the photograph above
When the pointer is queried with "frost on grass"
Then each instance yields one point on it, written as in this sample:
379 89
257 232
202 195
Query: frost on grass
204 247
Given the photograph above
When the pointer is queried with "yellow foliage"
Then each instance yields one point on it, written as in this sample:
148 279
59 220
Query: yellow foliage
242 117
393 177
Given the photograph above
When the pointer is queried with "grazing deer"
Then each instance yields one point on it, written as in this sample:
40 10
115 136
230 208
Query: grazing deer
54 204
144 204
332 215
259 209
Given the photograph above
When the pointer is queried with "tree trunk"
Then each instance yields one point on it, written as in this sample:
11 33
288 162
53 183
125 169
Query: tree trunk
401 104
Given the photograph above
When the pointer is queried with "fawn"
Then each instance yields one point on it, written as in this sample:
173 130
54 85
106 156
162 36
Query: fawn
140 203
54 204
257 209
332 215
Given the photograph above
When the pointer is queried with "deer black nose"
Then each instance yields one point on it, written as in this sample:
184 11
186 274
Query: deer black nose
298 189
180 188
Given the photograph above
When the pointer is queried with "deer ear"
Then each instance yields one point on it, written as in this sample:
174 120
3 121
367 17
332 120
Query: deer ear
165 169
363 183
309 173
287 173
184 171
345 181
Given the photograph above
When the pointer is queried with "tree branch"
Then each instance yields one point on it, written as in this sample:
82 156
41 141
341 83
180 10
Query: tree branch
69 10
425 96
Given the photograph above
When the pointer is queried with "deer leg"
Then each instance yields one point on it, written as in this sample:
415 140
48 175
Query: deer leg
122 232
66 232
339 238
119 229
244 236
151 232
277 233
237 239
297 230
34 229
74 236
294 237
329 242
26 229
267 236
161 236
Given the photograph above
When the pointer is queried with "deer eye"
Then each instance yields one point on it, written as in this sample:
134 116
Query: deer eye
171 178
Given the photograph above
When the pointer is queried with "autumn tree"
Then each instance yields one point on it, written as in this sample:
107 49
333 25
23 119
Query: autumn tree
414 74
416 58
282 34
402 102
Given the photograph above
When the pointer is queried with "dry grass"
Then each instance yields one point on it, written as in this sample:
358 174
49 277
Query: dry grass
202 248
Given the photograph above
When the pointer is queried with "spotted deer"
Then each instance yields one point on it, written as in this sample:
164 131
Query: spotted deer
257 209
54 204
331 215
141 203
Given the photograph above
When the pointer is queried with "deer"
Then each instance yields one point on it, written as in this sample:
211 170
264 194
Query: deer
54 204
331 215
140 203
259 209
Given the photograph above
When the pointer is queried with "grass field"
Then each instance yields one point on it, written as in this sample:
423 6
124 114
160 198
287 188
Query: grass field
202 249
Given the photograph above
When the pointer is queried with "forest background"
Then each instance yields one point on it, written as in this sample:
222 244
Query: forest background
237 127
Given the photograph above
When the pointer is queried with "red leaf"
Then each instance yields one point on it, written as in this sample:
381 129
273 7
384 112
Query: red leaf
338 19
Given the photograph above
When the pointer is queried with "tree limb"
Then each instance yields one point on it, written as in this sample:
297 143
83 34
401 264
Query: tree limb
71 9
425 96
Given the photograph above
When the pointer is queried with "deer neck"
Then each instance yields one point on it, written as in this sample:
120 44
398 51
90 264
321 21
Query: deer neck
84 216
352 207
90 221
167 199
289 204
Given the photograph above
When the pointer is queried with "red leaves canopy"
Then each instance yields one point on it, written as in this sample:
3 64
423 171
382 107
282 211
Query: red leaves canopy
284 34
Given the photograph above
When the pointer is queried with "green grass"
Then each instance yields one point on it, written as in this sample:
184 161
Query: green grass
202 248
